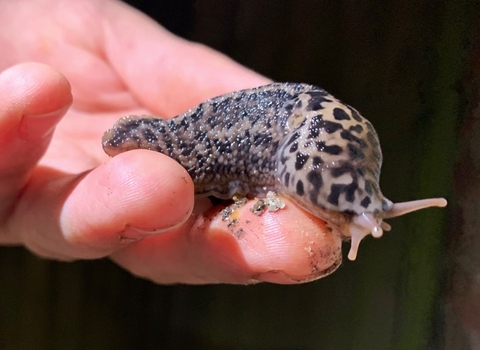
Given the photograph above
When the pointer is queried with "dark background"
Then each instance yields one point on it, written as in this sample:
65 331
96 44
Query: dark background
409 67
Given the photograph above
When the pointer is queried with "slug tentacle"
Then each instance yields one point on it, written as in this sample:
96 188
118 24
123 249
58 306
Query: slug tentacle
294 139
364 224
403 208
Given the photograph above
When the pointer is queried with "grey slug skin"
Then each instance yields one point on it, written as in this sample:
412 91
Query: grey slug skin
295 139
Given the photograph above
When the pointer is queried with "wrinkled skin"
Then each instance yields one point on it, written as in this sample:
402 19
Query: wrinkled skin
63 198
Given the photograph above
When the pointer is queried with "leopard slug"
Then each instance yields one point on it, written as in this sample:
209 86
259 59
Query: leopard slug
294 139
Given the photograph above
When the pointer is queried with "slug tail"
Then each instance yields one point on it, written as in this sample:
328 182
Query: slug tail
403 208
139 132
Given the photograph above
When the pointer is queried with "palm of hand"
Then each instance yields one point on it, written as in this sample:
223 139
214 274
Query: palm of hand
127 64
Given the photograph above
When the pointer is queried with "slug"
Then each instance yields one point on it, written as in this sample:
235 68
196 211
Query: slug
294 139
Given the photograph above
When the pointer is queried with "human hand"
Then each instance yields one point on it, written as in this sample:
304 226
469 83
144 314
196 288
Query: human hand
135 208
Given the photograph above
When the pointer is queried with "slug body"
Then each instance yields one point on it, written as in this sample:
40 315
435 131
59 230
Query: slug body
294 139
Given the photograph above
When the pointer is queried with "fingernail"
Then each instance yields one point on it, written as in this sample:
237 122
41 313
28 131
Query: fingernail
279 277
253 281
34 127
135 233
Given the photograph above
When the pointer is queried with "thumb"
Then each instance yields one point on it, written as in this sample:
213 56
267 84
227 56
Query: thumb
33 99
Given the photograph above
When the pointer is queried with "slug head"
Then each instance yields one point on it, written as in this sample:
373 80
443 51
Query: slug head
329 163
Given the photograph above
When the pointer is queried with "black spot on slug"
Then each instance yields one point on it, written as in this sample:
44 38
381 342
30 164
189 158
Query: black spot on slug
350 191
294 147
240 97
255 118
355 114
287 179
169 147
273 148
212 120
300 189
149 135
372 139
283 159
314 127
194 117
184 123
333 149
200 136
229 125
342 169
315 178
355 153
288 107
331 127
134 123
365 202
347 135
192 172
197 115
340 114
356 128
316 161
318 124
174 127
369 187
315 104
224 147
369 126
161 129
318 92
301 160
225 104
214 106
335 191
182 144
262 139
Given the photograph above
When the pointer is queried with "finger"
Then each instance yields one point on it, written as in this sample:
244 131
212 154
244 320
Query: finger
288 246
33 99
132 196
159 67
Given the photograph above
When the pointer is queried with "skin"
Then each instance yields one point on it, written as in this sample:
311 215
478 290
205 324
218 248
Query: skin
63 198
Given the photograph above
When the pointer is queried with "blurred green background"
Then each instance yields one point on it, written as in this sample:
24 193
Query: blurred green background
404 65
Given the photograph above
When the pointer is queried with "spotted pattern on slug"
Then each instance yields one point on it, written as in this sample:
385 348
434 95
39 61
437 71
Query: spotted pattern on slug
331 157
294 139
227 144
